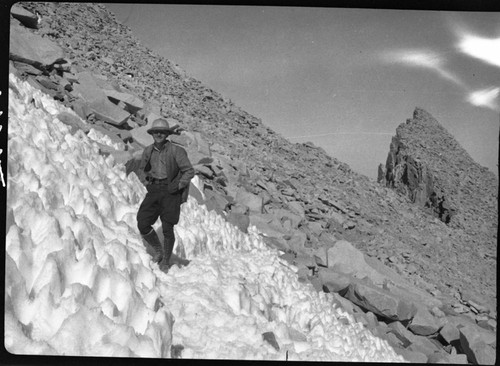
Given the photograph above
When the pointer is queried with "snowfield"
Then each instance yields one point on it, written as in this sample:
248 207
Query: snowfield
79 281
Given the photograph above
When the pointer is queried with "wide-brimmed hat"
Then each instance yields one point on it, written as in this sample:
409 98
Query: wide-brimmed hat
161 125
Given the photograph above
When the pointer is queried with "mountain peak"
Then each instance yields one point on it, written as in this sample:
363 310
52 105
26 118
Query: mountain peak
428 165
421 115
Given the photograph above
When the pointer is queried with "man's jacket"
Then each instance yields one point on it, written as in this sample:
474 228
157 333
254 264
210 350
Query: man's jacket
179 169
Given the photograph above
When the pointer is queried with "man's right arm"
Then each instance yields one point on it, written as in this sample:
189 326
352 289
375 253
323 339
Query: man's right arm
141 174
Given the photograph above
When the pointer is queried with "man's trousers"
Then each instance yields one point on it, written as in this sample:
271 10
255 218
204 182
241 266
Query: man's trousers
158 203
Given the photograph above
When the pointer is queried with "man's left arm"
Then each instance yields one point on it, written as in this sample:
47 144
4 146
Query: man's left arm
185 167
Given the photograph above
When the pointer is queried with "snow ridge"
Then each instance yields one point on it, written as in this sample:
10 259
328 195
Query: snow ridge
79 281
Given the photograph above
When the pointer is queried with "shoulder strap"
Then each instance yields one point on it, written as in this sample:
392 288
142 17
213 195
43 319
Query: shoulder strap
148 151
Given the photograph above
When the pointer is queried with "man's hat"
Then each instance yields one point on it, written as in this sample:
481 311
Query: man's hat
161 125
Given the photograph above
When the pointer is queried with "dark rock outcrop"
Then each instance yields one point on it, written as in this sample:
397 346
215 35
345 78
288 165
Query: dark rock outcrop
426 164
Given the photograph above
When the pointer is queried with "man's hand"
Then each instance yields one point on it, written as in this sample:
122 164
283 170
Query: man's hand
176 130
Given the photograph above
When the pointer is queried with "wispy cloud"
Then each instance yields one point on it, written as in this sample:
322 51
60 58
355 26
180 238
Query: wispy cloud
470 43
485 98
484 49
422 58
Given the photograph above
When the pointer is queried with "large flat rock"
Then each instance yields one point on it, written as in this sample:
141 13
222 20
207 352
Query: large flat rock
424 323
343 257
32 49
475 347
27 18
97 100
132 103
333 281
380 301
401 286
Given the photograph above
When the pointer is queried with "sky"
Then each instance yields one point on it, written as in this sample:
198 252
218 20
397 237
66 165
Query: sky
79 281
343 79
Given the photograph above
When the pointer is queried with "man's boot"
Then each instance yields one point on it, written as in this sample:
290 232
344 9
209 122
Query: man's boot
153 246
167 249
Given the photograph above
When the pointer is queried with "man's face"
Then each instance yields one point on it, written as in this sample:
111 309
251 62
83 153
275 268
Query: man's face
159 137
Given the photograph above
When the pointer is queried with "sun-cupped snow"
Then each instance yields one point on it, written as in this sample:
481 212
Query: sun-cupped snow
79 281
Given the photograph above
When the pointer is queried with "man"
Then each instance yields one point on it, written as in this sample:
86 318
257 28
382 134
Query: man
165 170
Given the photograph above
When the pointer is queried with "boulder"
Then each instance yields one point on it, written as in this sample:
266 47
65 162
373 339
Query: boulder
337 218
32 49
141 135
315 227
73 121
238 208
203 170
266 197
81 108
478 307
297 241
303 273
241 221
489 324
423 323
252 201
305 260
152 116
132 103
202 144
286 215
196 146
215 201
27 18
296 207
27 68
402 333
346 304
401 287
321 257
388 335
449 333
424 345
475 348
372 320
327 240
343 257
333 281
460 321
439 357
88 89
276 243
266 224
380 301
348 225
289 257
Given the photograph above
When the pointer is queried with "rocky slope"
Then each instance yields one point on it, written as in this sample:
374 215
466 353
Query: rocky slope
305 202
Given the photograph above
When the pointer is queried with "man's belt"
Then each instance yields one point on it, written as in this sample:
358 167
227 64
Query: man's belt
158 181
